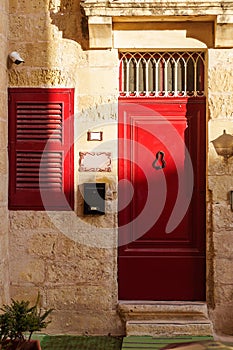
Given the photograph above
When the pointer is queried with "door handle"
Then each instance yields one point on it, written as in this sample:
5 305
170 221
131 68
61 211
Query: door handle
159 162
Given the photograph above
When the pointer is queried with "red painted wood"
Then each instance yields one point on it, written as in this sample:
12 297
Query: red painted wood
155 264
41 149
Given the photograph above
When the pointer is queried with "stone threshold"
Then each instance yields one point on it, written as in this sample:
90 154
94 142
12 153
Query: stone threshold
167 319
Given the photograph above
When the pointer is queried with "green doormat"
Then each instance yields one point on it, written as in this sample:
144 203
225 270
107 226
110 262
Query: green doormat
152 343
67 342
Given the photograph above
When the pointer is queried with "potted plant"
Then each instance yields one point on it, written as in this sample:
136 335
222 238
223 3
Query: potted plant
18 321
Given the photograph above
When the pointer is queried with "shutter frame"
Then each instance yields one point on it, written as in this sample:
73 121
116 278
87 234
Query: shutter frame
24 190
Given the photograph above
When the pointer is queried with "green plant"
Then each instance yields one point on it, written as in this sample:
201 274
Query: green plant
19 320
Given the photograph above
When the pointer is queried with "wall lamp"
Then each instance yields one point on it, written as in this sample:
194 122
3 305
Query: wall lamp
224 145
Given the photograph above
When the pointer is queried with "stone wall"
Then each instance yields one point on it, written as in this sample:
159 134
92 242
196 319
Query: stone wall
4 281
77 280
220 182
72 260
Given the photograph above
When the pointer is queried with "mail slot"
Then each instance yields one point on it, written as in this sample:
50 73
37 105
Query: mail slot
94 198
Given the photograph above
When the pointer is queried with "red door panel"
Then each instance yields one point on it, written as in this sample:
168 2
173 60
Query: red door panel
162 199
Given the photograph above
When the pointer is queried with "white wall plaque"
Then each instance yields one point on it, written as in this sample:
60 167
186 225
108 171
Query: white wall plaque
94 135
95 161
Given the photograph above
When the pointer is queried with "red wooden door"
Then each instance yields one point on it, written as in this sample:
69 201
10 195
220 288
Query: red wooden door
161 199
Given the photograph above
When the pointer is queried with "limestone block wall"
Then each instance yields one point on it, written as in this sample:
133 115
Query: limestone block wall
220 182
4 281
71 259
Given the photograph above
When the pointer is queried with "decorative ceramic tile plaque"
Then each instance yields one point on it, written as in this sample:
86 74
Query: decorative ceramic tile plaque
95 161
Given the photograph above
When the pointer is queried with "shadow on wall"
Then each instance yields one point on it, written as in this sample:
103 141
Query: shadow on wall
69 17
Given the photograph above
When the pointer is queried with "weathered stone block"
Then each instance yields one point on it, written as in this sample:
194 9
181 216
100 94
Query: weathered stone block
17 25
3 82
13 5
81 298
223 269
86 270
94 232
3 220
217 58
98 81
26 270
71 24
45 51
3 133
98 323
4 6
23 220
3 190
222 317
3 98
31 27
27 292
217 166
66 248
223 294
220 108
4 26
223 245
61 220
42 244
90 105
3 246
220 186
103 58
220 80
25 7
222 217
3 270
40 77
3 298
50 53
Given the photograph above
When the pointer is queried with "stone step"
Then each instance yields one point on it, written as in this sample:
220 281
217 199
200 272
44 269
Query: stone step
168 328
165 318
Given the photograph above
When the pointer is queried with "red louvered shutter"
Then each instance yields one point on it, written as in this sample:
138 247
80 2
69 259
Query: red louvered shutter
41 127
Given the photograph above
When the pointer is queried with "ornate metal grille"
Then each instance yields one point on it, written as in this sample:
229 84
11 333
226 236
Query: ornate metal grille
162 74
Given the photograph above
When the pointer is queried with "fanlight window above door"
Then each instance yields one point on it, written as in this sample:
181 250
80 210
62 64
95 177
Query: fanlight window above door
162 74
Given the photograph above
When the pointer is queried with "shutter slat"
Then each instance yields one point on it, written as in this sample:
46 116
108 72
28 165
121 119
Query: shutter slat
38 113
39 122
25 170
30 173
35 186
38 105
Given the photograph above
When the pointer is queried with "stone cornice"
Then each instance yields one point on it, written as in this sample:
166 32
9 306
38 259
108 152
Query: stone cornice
114 8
